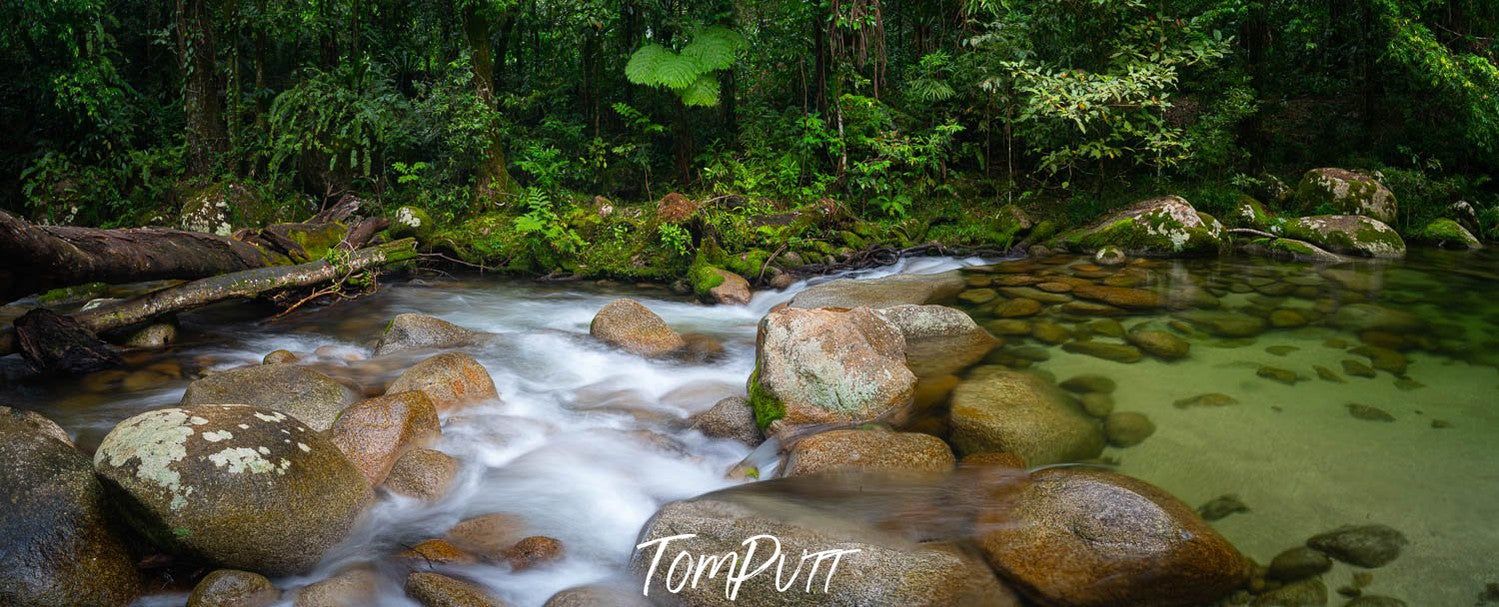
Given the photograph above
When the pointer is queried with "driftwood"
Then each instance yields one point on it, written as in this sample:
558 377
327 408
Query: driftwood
46 347
40 257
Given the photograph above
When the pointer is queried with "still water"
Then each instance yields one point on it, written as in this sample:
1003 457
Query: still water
586 443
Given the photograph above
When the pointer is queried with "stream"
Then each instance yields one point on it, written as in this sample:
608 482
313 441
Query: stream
586 443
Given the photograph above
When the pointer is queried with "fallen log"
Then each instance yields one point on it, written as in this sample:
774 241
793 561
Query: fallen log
198 293
38 257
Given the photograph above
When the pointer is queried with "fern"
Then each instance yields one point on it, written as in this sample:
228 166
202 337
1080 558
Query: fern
703 92
715 48
689 73
645 63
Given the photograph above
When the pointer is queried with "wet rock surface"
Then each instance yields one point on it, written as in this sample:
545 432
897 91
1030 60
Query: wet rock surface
312 397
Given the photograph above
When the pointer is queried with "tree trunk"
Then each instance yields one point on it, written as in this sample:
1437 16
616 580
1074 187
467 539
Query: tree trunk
477 30
200 90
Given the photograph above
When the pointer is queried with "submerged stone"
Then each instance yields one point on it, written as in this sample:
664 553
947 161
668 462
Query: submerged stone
1221 507
1362 545
1024 414
1369 413
1116 352
1213 399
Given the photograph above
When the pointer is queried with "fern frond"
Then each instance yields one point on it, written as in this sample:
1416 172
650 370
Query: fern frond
645 64
715 48
677 71
703 92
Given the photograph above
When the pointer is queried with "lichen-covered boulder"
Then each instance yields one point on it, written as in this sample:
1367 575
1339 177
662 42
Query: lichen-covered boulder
1447 234
885 571
939 340
1167 226
630 326
412 222
822 366
884 292
1251 213
1345 192
1348 234
1021 413
311 397
452 380
57 546
413 331
869 450
1087 538
373 433
240 486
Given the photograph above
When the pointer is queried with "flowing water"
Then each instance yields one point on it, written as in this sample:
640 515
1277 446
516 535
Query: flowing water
586 443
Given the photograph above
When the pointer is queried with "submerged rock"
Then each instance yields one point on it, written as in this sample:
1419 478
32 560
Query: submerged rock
532 552
869 450
885 571
630 326
1363 545
1298 563
598 595
452 381
1089 382
1167 226
350 588
1159 344
1305 593
245 487
311 397
1349 234
1368 413
1224 323
885 292
1220 507
57 545
820 366
1088 538
415 331
438 590
1024 414
1116 352
1210 400
373 433
1345 192
939 340
233 588
487 536
1127 428
1360 317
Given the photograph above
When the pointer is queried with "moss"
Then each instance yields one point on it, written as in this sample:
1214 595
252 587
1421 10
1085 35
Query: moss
702 277
73 294
767 408
316 240
1446 232
412 222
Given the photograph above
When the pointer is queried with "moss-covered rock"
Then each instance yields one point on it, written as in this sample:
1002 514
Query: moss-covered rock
1447 234
1348 234
1251 213
1345 192
245 487
57 547
1167 226
412 222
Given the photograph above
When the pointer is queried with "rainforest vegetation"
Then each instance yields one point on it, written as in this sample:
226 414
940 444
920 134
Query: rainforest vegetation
539 135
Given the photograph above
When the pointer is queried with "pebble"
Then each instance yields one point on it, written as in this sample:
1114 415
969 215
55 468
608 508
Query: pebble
1097 404
1211 399
1328 375
1222 506
1305 593
1368 413
1285 376
1116 352
1440 424
1281 350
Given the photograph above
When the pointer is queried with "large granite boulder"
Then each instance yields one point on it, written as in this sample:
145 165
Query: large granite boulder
452 381
1167 226
822 366
884 292
1349 235
57 546
372 433
244 487
1345 192
1089 538
630 326
939 340
311 397
416 331
1021 413
886 571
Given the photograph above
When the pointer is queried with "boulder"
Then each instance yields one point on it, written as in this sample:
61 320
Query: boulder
730 418
373 433
487 536
630 326
353 587
598 595
1167 226
233 588
1447 234
882 292
438 590
1084 538
425 474
824 366
732 289
244 487
452 381
1344 192
885 571
869 450
1349 235
416 331
1021 413
412 222
311 397
57 546
939 340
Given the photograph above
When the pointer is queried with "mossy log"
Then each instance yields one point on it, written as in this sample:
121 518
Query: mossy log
198 293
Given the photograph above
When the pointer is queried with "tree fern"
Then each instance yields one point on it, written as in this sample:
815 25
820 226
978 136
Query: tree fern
645 63
715 48
703 92
689 73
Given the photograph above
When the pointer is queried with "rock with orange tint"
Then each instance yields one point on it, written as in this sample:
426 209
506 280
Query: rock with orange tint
1025 414
939 340
425 474
488 536
437 552
452 380
438 590
373 433
869 450
532 552
1090 538
1003 460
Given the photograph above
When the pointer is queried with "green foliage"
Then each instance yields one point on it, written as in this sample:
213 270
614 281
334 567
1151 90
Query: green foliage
690 73
335 124
675 238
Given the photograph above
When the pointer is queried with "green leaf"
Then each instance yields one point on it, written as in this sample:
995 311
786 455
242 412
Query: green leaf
702 93
645 64
677 71
715 48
